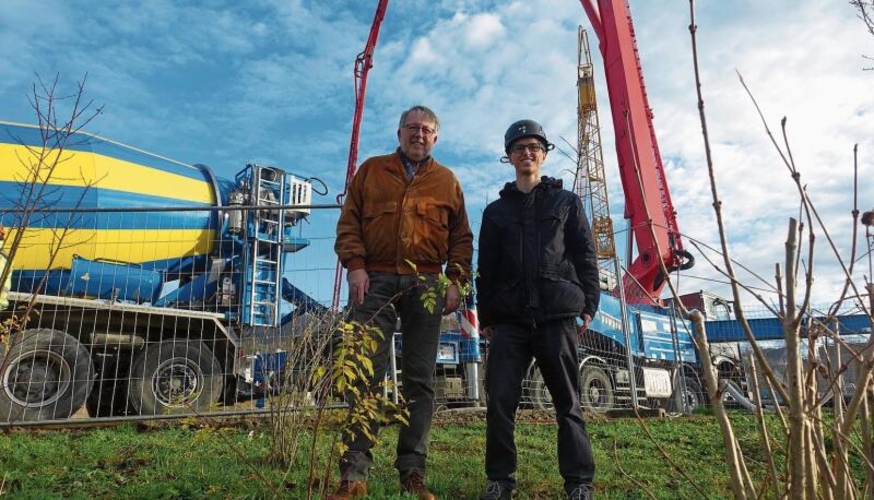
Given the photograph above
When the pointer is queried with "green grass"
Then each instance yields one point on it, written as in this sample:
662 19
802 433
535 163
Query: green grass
230 462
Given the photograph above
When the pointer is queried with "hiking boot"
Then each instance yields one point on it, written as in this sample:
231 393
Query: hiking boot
582 492
349 489
415 484
497 491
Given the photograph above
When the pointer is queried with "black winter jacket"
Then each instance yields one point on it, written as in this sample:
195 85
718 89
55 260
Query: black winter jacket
536 257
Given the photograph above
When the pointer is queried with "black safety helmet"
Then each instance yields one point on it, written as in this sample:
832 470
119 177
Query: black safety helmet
525 128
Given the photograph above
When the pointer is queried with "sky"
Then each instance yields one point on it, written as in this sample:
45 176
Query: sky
226 83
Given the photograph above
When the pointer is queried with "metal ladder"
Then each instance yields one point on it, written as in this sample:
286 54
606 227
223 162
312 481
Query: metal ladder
263 274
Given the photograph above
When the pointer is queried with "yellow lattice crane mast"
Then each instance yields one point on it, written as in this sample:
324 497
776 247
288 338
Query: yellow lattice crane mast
590 183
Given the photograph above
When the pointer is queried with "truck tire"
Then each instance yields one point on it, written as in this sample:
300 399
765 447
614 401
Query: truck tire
46 374
174 377
596 389
691 397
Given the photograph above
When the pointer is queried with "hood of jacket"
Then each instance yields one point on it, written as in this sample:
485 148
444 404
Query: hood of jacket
511 189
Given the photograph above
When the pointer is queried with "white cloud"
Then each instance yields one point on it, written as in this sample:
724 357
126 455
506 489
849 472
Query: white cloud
483 30
423 55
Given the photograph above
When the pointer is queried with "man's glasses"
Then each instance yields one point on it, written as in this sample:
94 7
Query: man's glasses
532 148
415 128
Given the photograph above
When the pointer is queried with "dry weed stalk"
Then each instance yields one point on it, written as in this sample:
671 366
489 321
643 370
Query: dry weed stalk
293 395
42 163
865 9
628 476
60 122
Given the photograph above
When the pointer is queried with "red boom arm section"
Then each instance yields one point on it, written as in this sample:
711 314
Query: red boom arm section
647 199
363 63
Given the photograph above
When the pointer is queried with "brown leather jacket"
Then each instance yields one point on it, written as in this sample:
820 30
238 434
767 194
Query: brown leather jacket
388 220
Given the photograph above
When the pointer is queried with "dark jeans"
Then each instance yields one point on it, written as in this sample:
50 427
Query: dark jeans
554 346
392 296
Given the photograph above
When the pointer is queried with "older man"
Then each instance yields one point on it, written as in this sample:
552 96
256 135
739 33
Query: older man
403 208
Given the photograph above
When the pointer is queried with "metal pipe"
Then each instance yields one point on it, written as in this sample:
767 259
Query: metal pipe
118 340
626 332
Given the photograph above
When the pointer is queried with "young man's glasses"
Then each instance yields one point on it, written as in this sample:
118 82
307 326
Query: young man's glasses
532 148
424 128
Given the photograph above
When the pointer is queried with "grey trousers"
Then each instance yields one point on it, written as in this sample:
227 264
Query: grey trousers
390 297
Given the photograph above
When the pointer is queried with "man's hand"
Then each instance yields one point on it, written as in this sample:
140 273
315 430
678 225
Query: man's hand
453 299
586 321
359 285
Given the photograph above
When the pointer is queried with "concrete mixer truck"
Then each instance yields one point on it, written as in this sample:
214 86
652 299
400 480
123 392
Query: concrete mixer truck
135 276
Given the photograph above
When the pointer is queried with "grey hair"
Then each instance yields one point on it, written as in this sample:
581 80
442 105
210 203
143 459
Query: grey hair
424 110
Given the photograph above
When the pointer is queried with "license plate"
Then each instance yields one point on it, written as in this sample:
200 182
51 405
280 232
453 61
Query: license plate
657 382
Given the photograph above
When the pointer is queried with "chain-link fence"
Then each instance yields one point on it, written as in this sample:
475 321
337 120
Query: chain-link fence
133 313
129 313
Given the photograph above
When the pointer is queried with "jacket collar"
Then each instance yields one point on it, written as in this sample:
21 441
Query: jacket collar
546 183
411 167
406 160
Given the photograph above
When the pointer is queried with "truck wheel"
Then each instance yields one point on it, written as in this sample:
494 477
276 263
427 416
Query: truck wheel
173 377
691 397
46 374
596 389
538 394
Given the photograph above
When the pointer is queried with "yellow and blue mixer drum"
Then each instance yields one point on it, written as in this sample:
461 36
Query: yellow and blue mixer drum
84 187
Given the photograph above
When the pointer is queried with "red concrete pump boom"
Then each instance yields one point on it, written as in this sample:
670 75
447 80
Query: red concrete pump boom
648 204
363 63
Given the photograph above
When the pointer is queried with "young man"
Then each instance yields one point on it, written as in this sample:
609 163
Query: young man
537 275
403 207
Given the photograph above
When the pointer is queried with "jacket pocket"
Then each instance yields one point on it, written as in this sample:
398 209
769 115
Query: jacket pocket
551 234
560 293
435 215
430 233
380 231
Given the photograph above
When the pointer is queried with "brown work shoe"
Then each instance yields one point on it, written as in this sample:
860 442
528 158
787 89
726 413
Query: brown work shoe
415 484
349 489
